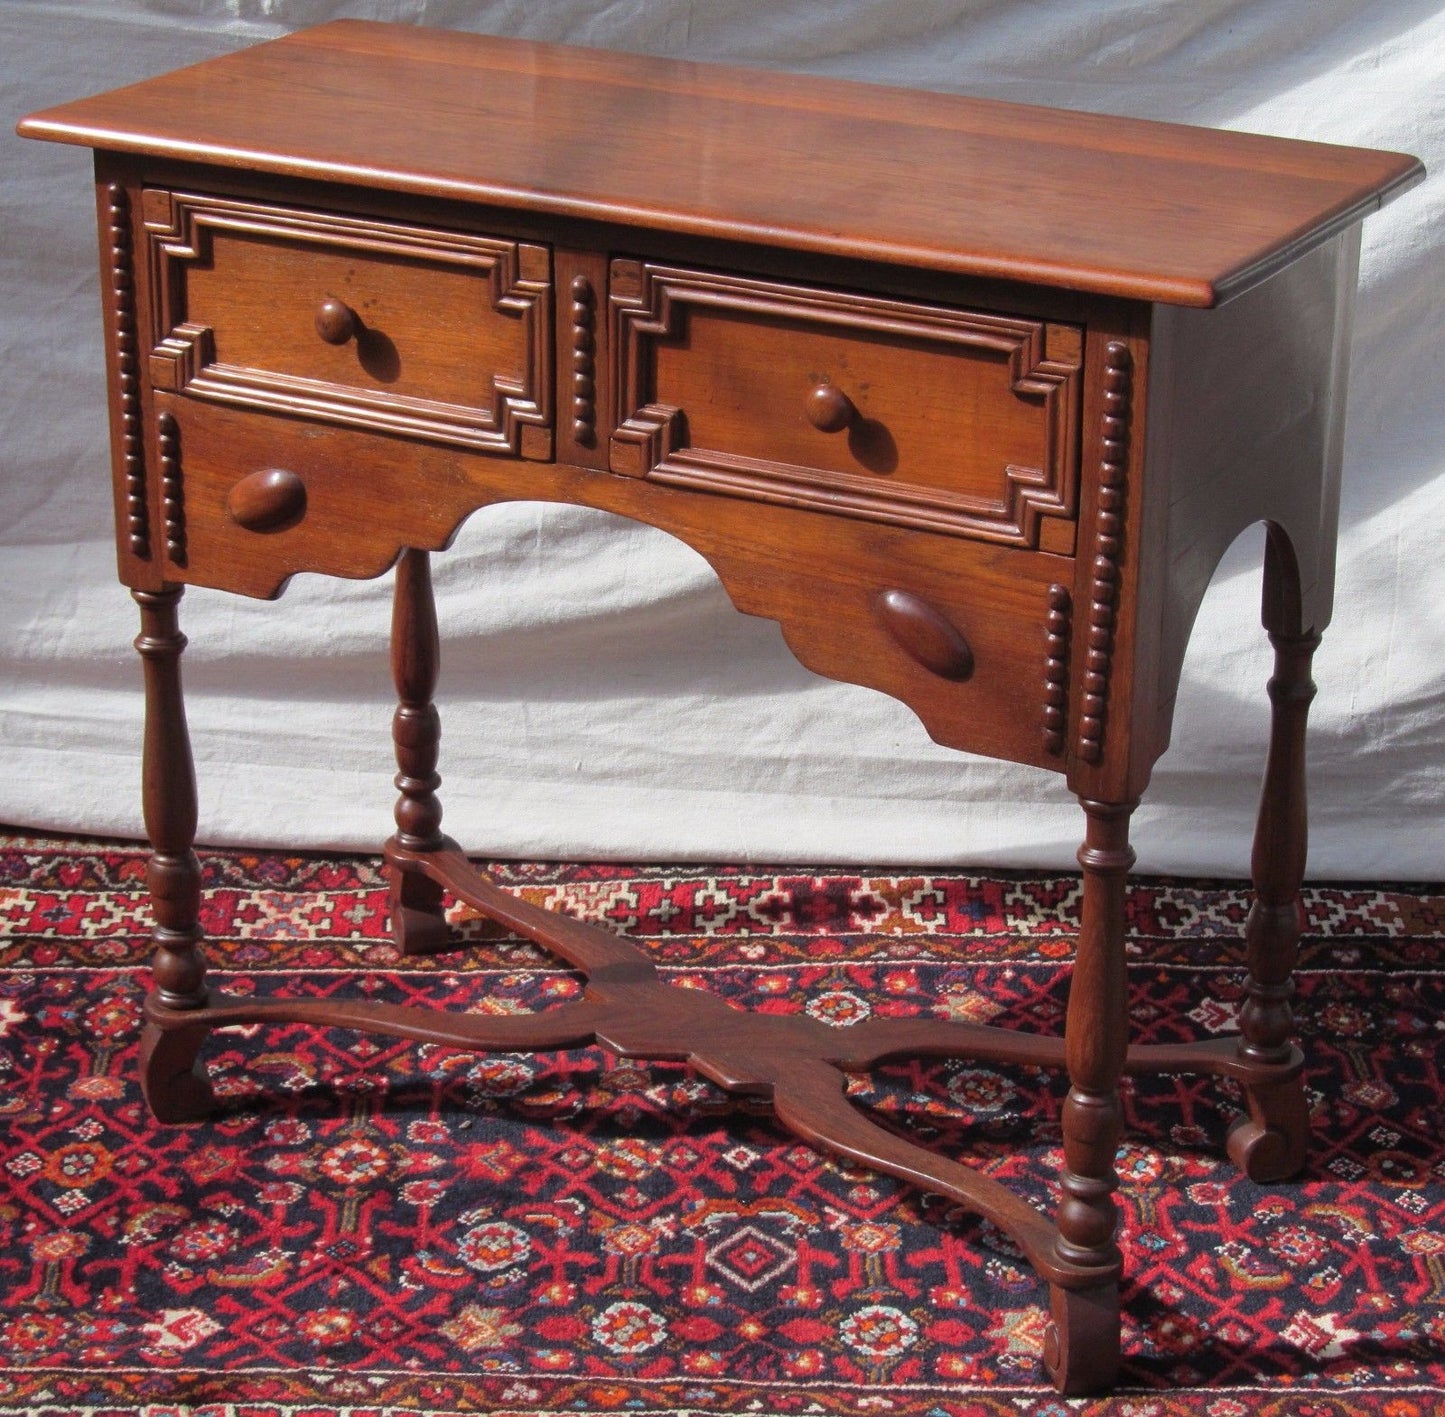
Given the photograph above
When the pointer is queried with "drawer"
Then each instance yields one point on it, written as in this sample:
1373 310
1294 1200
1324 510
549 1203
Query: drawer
973 636
924 416
436 334
247 500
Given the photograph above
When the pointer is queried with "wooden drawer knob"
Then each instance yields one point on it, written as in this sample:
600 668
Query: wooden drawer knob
267 500
335 320
830 410
925 634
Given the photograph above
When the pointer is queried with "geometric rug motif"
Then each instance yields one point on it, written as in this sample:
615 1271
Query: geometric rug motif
371 1225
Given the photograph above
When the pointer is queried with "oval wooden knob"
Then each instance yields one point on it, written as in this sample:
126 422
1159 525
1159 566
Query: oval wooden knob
925 634
267 500
335 320
830 410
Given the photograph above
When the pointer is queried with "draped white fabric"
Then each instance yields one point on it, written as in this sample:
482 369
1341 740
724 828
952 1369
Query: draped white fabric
600 697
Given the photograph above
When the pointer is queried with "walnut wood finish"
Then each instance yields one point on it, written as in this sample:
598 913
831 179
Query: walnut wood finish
977 442
817 575
267 500
175 1086
957 420
1269 1145
1148 211
381 325
1108 546
794 1063
417 922
128 443
1095 1046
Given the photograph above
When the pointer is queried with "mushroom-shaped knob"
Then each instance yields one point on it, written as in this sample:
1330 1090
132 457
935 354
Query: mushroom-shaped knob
925 634
335 320
267 500
830 410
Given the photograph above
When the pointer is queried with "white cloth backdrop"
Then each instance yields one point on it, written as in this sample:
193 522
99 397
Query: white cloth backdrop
600 697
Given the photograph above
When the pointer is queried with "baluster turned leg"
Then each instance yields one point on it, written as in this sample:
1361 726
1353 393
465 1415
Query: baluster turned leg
174 1083
1082 1347
1269 1144
417 922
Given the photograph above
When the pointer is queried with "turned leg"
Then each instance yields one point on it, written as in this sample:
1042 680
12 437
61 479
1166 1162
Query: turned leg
1082 1347
1269 1143
174 1083
417 922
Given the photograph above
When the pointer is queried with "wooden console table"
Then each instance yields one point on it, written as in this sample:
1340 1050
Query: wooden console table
969 397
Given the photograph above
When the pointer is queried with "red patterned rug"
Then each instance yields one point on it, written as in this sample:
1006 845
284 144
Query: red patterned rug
376 1227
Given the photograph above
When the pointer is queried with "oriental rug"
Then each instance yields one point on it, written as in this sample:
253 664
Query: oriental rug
373 1227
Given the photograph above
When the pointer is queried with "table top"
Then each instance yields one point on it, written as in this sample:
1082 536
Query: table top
1152 211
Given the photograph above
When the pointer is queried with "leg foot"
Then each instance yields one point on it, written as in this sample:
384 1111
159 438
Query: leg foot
174 1083
417 923
1081 1343
1271 1143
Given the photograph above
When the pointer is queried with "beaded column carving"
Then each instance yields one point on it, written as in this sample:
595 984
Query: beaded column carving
584 362
132 442
1108 547
1056 669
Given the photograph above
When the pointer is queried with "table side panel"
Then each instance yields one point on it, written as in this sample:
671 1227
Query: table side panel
1247 410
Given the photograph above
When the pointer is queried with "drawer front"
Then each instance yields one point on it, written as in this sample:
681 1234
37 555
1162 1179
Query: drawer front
436 334
924 416
973 636
248 500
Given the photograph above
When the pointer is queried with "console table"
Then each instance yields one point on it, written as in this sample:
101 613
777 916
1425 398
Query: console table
969 397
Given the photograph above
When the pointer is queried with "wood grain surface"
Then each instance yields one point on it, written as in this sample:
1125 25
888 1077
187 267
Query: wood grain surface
1152 211
421 273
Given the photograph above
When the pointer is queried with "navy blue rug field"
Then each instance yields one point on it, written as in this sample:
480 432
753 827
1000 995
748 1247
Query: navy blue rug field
372 1226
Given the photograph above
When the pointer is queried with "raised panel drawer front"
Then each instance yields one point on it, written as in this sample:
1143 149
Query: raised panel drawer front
436 334
925 416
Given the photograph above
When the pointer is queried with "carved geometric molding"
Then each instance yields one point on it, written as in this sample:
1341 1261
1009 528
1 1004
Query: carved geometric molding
491 352
180 359
584 361
642 445
168 449
1056 669
132 439
995 385
1108 547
